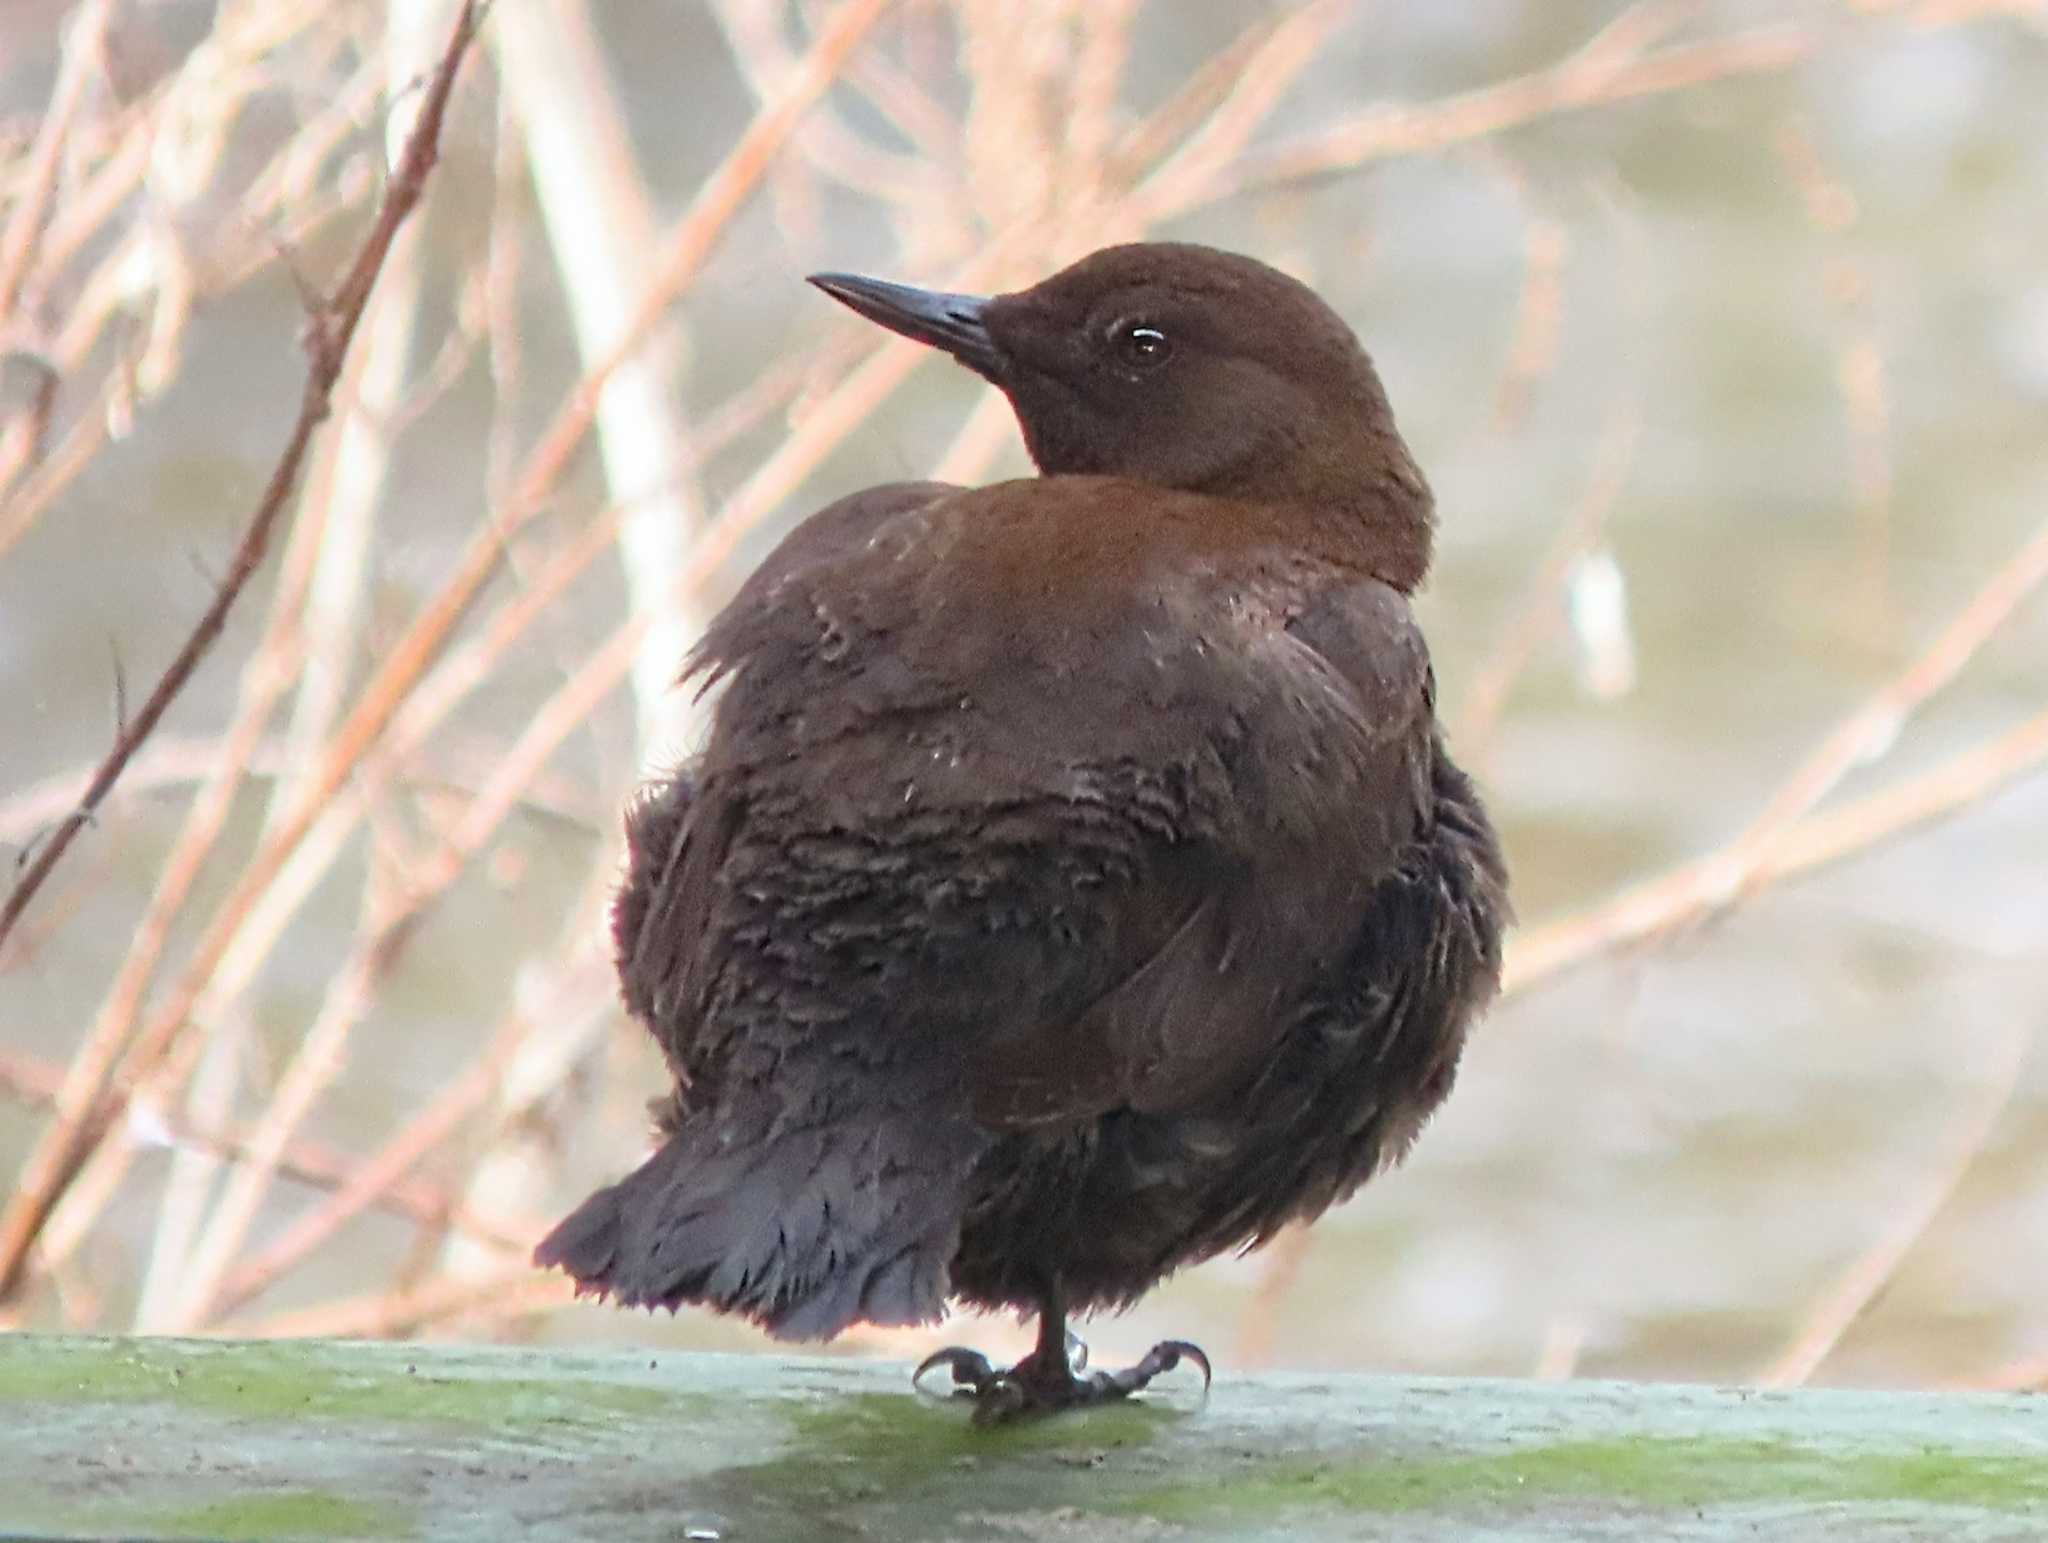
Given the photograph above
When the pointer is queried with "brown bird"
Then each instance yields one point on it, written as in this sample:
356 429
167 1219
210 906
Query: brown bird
1074 885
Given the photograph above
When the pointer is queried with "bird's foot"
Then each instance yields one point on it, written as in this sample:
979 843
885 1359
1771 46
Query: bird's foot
1032 1387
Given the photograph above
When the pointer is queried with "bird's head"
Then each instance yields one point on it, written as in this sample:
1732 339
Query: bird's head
1181 366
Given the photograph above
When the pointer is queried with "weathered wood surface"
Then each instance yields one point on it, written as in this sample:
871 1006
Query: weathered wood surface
179 1439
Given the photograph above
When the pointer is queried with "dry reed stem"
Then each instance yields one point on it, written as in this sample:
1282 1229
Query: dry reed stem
1872 730
23 435
333 537
381 1175
312 639
1532 356
1860 375
101 192
1705 885
384 696
1018 62
79 62
596 210
1564 1341
518 1291
696 233
824 139
503 267
311 1163
315 1062
1203 160
1539 315
57 467
1101 58
1148 143
908 106
328 338
268 907
1598 74
573 996
1867 1276
1867 734
150 142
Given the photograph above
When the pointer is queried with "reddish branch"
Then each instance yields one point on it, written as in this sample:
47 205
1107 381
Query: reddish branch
330 329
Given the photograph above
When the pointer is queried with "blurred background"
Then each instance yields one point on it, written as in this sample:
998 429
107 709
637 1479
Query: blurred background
1721 328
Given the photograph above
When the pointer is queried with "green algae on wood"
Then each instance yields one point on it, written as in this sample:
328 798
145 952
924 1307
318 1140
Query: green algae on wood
291 1514
173 1438
1643 1475
275 1378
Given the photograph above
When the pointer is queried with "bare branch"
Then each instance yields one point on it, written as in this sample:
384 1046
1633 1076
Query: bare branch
328 336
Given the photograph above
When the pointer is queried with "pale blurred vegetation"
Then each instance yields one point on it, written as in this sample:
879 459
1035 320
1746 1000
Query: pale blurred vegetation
1722 329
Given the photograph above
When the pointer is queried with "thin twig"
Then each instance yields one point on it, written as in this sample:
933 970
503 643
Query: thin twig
1705 885
85 43
311 1163
696 233
1860 373
1871 1271
1591 77
327 340
1866 735
518 1291
385 1172
173 760
408 657
277 879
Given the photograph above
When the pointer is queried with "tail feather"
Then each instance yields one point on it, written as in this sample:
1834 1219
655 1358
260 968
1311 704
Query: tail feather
806 1234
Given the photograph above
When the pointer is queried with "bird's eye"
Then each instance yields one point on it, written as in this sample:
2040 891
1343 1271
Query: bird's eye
1142 345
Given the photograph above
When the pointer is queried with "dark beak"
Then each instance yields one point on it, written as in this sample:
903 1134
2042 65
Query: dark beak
951 322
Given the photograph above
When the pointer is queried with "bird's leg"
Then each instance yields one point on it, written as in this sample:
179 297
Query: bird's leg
1047 1374
1046 1380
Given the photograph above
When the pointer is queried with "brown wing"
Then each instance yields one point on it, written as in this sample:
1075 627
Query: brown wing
680 828
920 841
1239 918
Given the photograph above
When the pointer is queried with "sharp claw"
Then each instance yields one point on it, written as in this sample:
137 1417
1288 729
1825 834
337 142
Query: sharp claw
970 1368
1174 1351
1025 1390
1161 1358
